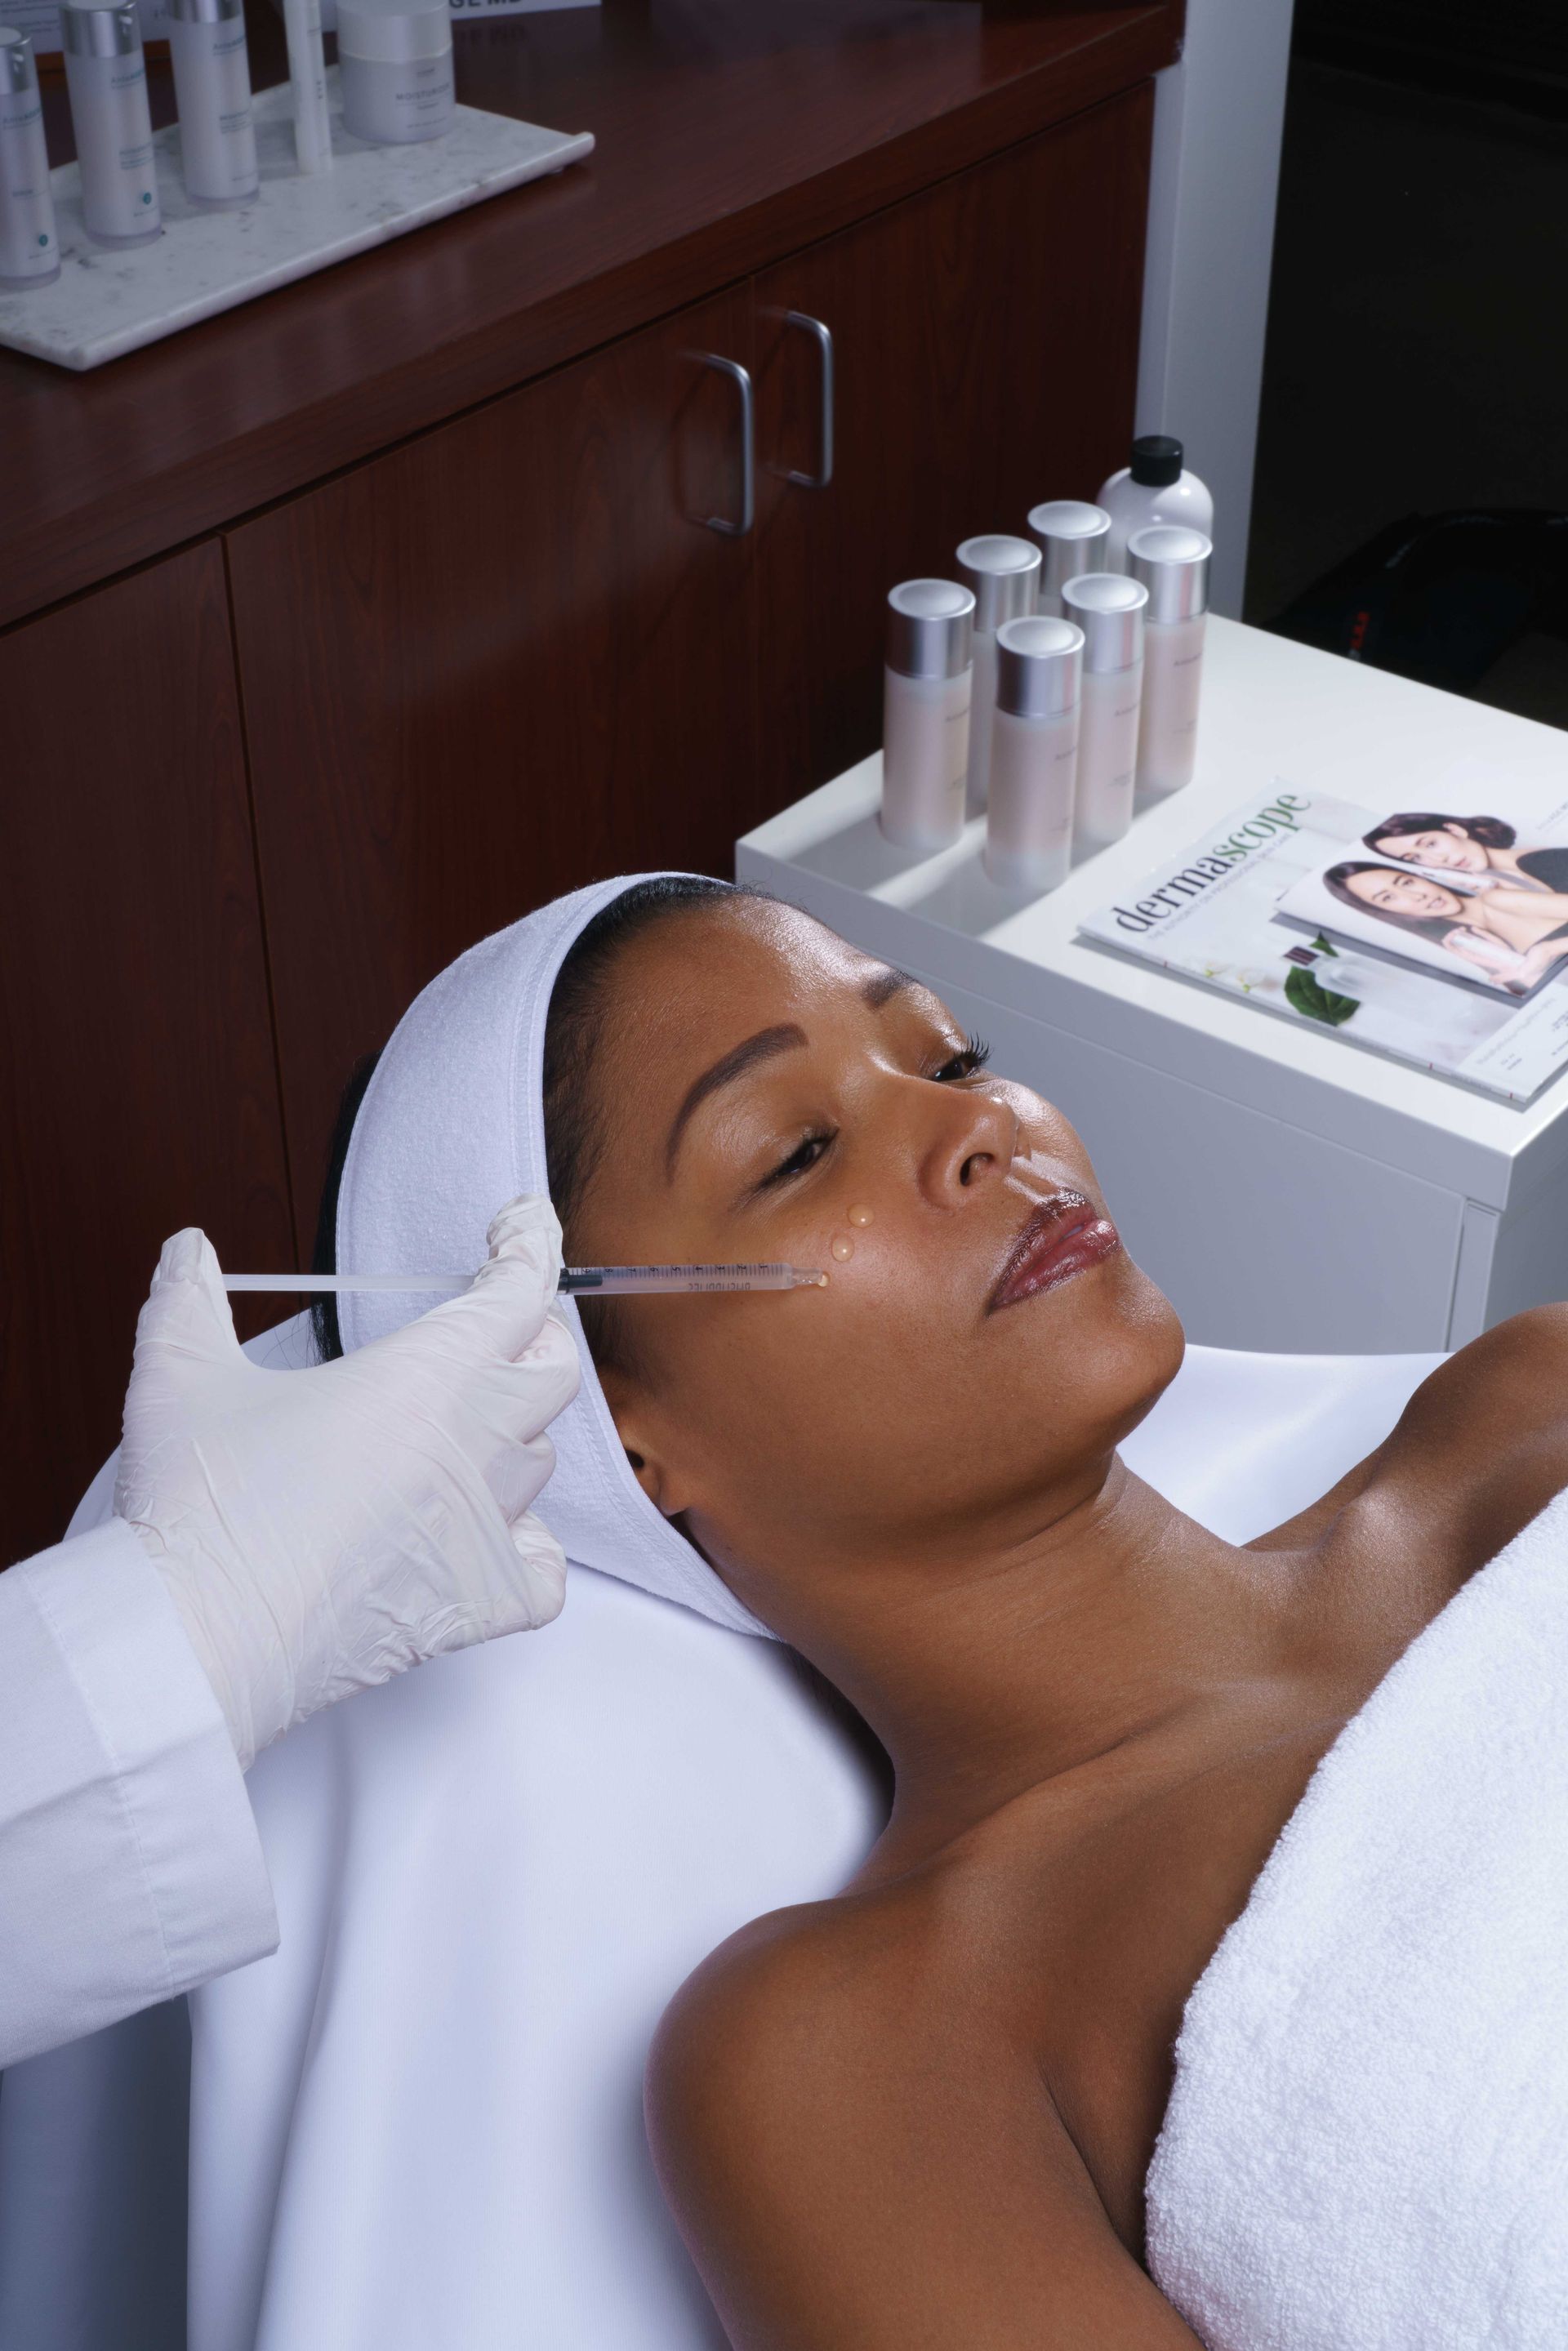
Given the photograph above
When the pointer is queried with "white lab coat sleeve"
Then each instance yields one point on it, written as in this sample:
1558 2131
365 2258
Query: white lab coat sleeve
130 1868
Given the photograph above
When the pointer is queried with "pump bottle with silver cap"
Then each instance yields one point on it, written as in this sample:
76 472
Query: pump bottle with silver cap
926 713
107 75
1000 574
212 89
29 247
1172 563
1034 753
1073 537
1109 608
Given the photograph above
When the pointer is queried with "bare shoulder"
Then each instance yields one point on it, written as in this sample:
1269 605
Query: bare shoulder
859 2148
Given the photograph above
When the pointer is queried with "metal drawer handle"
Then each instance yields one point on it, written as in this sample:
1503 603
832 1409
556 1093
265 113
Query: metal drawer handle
824 342
733 368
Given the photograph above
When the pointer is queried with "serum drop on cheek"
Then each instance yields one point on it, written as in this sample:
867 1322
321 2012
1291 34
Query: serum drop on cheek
860 1216
842 1248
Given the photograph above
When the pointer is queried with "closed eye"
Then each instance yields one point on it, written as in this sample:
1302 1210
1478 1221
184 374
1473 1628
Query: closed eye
804 1156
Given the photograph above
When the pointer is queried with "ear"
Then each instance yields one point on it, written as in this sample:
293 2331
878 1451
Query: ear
638 1427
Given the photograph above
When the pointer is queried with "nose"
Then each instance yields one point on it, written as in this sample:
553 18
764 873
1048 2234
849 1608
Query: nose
971 1143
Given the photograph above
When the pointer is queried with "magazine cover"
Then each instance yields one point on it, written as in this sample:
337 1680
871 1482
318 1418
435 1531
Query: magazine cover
1436 933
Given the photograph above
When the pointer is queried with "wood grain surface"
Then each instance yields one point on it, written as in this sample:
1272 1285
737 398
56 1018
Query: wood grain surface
731 132
139 1088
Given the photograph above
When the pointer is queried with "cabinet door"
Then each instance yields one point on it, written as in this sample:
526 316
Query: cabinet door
985 340
501 662
140 1089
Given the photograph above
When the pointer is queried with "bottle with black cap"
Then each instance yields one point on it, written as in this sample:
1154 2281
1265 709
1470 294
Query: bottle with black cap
1155 488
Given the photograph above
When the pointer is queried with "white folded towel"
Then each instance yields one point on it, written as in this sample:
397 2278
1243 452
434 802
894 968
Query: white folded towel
1366 2147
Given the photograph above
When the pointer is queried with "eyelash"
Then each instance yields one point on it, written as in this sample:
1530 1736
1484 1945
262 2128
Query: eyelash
966 1063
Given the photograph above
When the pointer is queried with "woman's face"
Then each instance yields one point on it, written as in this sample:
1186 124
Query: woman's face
1448 848
766 1091
1403 893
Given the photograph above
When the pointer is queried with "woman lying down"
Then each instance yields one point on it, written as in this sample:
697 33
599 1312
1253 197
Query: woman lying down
929 2112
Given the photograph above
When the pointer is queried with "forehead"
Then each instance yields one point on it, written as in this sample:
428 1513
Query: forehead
705 978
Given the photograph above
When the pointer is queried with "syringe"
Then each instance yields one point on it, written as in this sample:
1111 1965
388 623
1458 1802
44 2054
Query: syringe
601 1280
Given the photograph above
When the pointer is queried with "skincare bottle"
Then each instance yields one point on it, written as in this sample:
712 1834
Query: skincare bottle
212 89
106 77
1000 574
394 66
1172 563
1109 608
1034 753
926 713
1072 536
29 249
1155 488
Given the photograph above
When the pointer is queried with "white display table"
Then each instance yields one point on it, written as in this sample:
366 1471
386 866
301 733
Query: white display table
1289 1190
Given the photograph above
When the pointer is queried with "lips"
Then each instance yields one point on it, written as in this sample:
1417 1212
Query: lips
1066 1235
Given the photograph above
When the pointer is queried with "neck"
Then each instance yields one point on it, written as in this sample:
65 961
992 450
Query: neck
984 1677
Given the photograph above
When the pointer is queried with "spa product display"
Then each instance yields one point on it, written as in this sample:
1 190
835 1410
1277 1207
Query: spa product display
1072 536
928 686
394 59
308 86
29 248
1153 486
1172 563
1034 753
212 90
1108 608
106 77
1420 929
1000 573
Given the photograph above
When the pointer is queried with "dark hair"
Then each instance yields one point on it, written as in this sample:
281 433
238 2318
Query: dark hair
574 1031
1489 830
1337 879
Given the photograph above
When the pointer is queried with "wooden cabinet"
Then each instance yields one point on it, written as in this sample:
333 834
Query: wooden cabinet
141 1088
985 348
507 660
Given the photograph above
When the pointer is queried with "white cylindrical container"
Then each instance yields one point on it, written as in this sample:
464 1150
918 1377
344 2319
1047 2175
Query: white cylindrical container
926 713
29 249
1172 563
308 86
106 77
394 64
212 89
1155 488
1000 574
1034 753
1072 537
1109 608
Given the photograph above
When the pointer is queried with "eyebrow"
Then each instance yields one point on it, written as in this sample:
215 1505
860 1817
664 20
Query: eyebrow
883 984
725 1072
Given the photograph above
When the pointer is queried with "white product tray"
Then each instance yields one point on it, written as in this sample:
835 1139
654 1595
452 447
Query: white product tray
105 303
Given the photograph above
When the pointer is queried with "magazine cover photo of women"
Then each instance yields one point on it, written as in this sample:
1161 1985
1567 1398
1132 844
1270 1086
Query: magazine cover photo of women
1481 848
1514 933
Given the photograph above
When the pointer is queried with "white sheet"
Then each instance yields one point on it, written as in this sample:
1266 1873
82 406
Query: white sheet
419 2122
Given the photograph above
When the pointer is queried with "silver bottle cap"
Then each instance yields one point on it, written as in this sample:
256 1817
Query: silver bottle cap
204 12
1074 535
1039 662
1109 608
930 629
17 71
1172 561
1001 573
101 28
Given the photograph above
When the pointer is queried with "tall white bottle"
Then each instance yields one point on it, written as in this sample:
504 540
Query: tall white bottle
1172 563
1109 608
212 90
1155 488
1034 753
1000 574
29 248
926 713
106 77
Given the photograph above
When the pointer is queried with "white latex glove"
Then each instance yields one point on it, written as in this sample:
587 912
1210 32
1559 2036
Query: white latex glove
319 1531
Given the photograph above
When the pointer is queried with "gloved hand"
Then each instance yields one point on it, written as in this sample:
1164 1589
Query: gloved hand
320 1530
